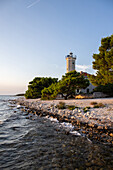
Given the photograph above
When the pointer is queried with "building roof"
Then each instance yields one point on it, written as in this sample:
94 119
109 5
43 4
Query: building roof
84 73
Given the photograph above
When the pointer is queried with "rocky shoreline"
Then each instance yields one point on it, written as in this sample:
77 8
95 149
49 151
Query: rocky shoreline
94 123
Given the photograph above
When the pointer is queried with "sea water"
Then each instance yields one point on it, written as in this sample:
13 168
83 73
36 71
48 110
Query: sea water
41 143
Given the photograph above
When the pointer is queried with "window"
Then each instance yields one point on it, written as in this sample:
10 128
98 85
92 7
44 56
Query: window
87 90
77 90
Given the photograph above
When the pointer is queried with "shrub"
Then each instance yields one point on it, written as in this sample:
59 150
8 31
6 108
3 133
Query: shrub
107 89
93 103
71 107
61 105
96 106
99 105
85 109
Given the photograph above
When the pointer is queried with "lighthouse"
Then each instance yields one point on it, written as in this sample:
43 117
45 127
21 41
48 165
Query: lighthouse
70 62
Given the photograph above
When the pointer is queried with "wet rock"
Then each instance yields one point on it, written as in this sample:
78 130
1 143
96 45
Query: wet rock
67 132
27 117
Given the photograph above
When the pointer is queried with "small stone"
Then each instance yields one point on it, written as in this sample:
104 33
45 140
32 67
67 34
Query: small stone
63 145
27 117
95 125
111 134
100 127
67 133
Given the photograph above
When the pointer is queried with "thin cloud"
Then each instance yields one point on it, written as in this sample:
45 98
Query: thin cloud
84 67
34 3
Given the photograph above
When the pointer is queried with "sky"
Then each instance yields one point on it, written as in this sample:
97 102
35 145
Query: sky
36 35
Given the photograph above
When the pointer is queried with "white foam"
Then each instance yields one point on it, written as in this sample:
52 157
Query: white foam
75 133
18 106
67 125
53 119
89 140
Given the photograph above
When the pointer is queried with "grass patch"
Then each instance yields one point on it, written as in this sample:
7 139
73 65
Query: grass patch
93 103
71 107
99 105
85 109
61 105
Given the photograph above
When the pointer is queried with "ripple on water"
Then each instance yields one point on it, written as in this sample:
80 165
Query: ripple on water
40 144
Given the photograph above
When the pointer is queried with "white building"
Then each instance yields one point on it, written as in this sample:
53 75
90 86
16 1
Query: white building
90 88
70 62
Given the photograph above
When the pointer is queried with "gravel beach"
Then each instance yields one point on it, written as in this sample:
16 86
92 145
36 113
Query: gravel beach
94 123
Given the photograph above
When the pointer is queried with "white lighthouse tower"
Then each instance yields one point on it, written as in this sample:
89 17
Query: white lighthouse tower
70 62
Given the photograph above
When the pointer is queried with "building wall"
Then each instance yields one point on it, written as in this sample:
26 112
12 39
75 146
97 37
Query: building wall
89 89
70 64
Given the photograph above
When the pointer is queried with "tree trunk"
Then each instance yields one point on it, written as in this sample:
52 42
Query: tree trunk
65 97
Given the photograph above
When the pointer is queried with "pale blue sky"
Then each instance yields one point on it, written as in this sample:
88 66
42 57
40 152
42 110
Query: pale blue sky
36 35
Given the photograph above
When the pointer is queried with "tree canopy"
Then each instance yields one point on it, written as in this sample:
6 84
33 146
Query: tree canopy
35 87
103 63
66 86
107 89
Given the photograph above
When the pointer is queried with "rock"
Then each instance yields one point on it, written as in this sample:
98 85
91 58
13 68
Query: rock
103 135
95 126
67 133
27 117
111 134
100 127
78 122
84 132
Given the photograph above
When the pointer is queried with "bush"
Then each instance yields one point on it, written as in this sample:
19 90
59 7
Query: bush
61 105
95 106
85 109
99 105
71 107
93 103
106 89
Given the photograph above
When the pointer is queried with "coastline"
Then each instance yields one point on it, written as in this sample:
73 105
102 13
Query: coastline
96 123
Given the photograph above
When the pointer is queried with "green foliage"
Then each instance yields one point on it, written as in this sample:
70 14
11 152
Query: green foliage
66 86
61 105
107 89
103 63
71 107
71 81
49 93
95 106
93 103
85 109
35 87
99 105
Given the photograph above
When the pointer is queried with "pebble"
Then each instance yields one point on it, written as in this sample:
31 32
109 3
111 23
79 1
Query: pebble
94 125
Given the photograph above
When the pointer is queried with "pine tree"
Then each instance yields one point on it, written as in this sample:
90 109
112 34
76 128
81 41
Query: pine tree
66 86
103 63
